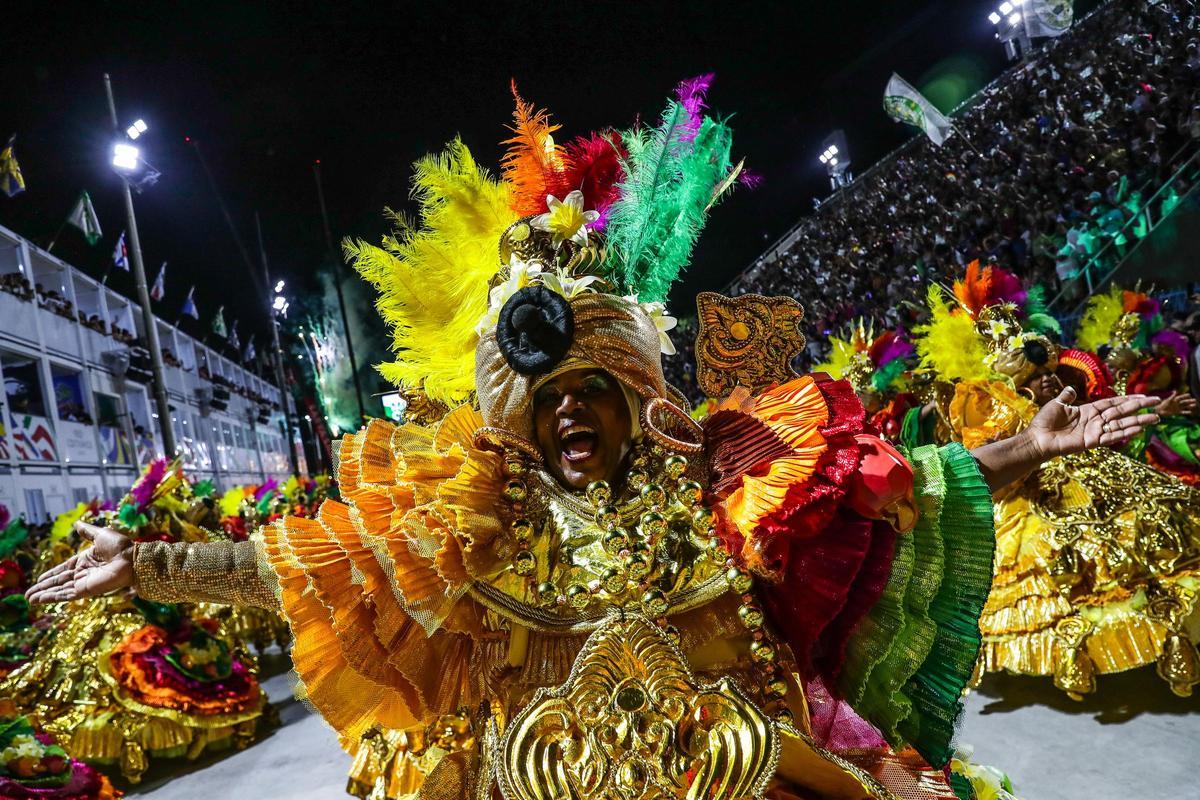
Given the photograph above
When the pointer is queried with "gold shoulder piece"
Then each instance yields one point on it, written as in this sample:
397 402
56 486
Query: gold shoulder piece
746 341
633 722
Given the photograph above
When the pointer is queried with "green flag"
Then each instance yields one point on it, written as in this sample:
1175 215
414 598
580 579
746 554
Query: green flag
218 323
83 217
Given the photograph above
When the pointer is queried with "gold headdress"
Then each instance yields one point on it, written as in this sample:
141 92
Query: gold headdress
591 235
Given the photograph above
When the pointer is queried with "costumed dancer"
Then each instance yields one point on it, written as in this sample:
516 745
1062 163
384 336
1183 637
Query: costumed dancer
878 367
34 767
124 679
563 586
1098 556
1138 354
20 629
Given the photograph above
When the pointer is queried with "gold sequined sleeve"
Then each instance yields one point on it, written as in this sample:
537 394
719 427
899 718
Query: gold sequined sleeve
233 573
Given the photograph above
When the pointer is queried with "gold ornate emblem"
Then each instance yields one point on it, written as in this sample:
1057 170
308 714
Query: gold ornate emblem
746 341
632 723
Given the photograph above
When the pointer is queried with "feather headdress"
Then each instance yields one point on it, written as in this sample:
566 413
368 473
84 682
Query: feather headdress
949 345
1119 318
866 360
623 208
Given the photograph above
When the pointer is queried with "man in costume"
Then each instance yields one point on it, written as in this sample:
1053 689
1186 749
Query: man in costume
1098 559
552 582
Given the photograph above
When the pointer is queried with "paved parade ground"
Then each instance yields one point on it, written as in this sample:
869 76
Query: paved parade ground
1138 742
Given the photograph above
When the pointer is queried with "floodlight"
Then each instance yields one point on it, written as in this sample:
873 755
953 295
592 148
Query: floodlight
833 150
1015 19
994 18
279 287
833 161
824 159
140 125
125 156
279 303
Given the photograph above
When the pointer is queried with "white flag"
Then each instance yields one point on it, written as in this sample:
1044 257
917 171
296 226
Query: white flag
83 216
905 104
159 288
1047 17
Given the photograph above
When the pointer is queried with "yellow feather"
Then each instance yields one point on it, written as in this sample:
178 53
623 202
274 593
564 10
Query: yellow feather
840 355
1099 317
948 344
432 276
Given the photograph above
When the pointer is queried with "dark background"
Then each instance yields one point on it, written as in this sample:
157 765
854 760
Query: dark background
266 88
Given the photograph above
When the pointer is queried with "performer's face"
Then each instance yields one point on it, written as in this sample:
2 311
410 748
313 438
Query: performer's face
1045 386
583 426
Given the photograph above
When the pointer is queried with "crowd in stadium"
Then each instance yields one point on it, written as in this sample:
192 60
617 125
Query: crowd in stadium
1050 168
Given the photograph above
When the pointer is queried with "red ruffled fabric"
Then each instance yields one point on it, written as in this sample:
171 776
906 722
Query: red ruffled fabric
827 548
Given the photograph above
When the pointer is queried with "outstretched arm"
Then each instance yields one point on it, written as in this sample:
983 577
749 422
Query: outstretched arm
1060 429
233 573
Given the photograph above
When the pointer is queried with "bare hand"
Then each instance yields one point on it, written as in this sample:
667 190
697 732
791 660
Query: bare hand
1177 405
1060 428
103 568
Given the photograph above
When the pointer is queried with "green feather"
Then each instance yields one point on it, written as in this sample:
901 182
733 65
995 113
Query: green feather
669 182
889 372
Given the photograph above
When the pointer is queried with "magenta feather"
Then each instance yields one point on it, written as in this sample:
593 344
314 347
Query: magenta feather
750 179
690 94
1174 340
895 347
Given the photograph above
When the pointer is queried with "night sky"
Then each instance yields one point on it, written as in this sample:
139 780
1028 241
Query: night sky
266 88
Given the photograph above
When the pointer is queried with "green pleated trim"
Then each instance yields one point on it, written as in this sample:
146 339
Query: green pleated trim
969 539
883 700
961 785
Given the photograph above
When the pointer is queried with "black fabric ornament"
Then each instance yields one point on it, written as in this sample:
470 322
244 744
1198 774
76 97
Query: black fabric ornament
1036 353
535 330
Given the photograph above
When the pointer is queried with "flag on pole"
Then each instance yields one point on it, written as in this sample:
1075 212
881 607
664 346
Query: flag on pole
249 355
218 323
1047 17
12 182
234 342
83 217
120 252
905 104
159 287
189 306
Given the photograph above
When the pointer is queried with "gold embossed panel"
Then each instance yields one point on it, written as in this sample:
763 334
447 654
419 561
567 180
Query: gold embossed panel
746 341
632 723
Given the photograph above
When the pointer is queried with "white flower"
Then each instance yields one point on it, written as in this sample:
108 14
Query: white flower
663 322
562 283
566 220
520 274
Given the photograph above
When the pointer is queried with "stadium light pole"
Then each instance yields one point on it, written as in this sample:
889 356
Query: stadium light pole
278 306
126 161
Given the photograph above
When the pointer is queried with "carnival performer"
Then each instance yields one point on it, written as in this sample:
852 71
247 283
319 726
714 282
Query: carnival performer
553 582
1141 356
1098 556
127 679
879 369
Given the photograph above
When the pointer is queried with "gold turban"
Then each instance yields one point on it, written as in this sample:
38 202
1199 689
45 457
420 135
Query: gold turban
609 332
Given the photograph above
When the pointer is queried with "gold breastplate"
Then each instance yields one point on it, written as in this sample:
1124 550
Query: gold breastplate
576 557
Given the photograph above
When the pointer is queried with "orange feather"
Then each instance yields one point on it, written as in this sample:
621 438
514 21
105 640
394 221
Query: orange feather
534 165
973 290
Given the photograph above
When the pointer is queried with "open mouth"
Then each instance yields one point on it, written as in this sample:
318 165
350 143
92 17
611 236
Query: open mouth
577 443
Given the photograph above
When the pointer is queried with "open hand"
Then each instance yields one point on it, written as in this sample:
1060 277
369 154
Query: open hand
103 568
1177 405
1060 428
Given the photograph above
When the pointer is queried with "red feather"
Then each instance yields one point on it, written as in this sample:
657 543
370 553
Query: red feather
595 169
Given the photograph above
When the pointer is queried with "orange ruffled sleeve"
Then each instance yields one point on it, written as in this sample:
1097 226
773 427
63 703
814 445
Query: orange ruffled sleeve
374 588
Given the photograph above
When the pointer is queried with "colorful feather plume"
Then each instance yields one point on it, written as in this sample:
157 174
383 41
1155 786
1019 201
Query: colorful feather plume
948 344
432 275
533 166
670 174
988 286
1037 312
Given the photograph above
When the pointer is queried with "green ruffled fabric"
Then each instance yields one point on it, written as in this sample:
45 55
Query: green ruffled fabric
910 659
915 432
